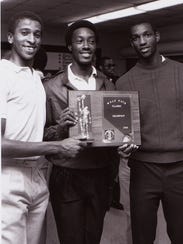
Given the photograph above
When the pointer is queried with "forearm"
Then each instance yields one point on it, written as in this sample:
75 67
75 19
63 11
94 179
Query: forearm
13 148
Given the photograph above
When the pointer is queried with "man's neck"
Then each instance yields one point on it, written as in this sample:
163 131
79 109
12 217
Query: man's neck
20 62
83 71
154 60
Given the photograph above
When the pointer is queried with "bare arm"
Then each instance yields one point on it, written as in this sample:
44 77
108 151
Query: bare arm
12 148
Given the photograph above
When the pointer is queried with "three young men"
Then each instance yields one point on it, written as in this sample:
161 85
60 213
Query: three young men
79 186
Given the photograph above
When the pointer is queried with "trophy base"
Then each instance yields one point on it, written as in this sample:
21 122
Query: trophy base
89 141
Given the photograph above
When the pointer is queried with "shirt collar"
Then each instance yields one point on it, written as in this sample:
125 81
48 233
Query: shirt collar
13 66
162 58
72 76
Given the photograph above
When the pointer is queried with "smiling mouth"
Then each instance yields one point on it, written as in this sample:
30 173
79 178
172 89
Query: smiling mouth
29 48
144 50
86 54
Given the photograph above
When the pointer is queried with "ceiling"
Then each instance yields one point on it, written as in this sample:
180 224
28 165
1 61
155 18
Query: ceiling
61 12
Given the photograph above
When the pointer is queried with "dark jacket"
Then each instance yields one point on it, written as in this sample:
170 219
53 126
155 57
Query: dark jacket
57 89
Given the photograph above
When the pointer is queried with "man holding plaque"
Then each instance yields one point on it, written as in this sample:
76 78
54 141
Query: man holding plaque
80 187
157 166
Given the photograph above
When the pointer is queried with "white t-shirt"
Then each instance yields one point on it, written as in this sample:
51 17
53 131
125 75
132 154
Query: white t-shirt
22 102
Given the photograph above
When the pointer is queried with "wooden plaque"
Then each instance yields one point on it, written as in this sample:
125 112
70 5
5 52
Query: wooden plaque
106 118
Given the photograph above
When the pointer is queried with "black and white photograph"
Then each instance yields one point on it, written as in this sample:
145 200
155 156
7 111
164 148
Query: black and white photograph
91 116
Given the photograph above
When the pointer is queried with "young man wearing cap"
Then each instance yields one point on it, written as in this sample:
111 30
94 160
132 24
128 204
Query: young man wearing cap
22 112
80 187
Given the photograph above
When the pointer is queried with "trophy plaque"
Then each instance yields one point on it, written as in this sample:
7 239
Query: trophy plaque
106 118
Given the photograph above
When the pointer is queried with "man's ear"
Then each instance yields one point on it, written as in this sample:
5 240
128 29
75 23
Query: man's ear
157 34
10 37
70 48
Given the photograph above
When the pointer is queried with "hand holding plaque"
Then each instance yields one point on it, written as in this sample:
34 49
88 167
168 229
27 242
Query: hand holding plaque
106 117
127 147
67 119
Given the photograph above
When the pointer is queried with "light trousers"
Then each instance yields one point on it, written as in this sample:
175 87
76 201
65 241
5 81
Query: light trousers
24 202
124 180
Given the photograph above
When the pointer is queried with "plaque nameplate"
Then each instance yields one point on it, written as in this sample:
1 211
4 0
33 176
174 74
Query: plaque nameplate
105 118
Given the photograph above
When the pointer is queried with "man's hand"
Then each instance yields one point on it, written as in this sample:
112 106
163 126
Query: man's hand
126 149
67 119
70 147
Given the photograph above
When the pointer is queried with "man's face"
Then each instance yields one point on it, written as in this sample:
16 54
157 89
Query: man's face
144 40
108 67
83 46
25 40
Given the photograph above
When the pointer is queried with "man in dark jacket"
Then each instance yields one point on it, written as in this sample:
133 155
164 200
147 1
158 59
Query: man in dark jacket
80 187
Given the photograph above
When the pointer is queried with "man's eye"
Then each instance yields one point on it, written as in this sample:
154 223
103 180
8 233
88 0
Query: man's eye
134 38
91 41
24 33
37 35
147 34
79 41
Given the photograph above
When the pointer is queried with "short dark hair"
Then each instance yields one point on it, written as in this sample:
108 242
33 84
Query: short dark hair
76 25
14 20
140 23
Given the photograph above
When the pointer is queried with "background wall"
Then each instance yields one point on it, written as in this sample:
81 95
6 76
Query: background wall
116 44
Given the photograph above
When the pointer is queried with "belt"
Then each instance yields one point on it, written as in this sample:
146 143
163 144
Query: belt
31 163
